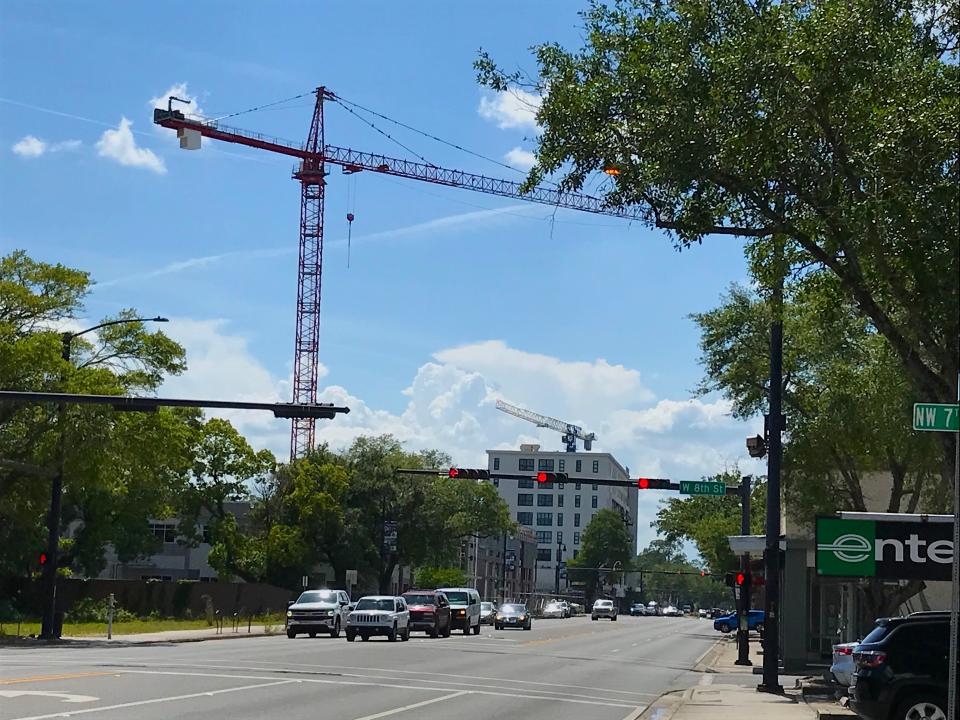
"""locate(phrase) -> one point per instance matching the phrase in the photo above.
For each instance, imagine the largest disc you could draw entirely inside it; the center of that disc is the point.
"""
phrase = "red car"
(429, 611)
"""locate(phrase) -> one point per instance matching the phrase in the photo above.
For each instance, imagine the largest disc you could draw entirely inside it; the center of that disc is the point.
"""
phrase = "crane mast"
(314, 155)
(571, 433)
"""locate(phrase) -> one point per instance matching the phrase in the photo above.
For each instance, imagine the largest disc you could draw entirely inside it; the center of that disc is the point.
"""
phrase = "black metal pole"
(775, 422)
(556, 590)
(49, 577)
(743, 602)
(503, 571)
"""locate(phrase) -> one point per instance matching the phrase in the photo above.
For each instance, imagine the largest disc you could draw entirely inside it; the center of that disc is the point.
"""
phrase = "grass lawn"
(135, 626)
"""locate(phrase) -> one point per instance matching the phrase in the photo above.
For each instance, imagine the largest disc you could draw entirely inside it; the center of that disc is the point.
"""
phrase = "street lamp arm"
(108, 323)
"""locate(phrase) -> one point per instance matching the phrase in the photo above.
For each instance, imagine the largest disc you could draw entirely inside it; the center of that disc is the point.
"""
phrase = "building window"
(576, 519)
(545, 486)
(579, 465)
(496, 463)
(525, 483)
(164, 532)
(496, 482)
(561, 465)
(576, 501)
(544, 500)
(546, 465)
(593, 501)
(559, 536)
(525, 518)
(545, 519)
(544, 554)
(595, 487)
(526, 499)
(545, 537)
(559, 519)
(575, 552)
(559, 500)
(526, 464)
(576, 538)
(577, 486)
(596, 466)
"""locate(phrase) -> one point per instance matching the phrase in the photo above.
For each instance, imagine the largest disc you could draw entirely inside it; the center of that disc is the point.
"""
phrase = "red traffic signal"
(549, 477)
(470, 473)
(43, 558)
(743, 579)
(653, 484)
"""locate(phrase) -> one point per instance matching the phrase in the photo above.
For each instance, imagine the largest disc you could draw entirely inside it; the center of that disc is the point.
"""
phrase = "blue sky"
(452, 298)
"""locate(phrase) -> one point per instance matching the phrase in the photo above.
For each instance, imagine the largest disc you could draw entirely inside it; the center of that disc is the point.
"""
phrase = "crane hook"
(349, 233)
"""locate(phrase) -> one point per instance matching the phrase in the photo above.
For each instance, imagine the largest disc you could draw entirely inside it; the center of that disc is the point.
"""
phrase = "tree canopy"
(831, 124)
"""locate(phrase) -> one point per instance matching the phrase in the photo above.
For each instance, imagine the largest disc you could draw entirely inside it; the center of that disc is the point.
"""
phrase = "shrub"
(90, 610)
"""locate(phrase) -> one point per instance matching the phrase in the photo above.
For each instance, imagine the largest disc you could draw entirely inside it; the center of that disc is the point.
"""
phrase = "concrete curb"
(705, 662)
(119, 641)
(663, 708)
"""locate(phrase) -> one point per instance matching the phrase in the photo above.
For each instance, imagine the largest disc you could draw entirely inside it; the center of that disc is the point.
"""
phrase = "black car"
(638, 609)
(901, 669)
(512, 615)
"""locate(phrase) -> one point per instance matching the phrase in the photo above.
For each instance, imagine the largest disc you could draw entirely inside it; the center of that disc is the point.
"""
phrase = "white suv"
(604, 608)
(379, 615)
(318, 611)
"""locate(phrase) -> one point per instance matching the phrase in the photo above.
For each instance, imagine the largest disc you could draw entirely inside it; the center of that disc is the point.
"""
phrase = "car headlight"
(522, 618)
(461, 612)
(289, 613)
(499, 616)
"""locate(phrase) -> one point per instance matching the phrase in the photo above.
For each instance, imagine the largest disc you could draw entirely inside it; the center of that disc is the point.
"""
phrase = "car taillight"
(869, 658)
(844, 651)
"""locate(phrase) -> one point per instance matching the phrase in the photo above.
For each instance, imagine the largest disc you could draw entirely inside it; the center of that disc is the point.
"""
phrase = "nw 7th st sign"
(936, 417)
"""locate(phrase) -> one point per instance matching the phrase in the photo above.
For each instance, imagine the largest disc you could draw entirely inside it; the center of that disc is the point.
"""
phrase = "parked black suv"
(901, 669)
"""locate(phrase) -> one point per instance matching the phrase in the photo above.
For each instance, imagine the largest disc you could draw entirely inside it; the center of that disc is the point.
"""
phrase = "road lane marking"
(319, 681)
(153, 701)
(394, 711)
(64, 697)
(44, 678)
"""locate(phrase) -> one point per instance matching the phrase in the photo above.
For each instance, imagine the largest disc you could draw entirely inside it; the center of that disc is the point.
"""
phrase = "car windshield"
(553, 606)
(603, 603)
(486, 606)
(877, 634)
(374, 604)
(511, 609)
(457, 598)
(420, 599)
(316, 596)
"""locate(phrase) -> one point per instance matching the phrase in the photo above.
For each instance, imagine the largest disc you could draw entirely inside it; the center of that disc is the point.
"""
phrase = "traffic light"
(653, 484)
(470, 473)
(43, 559)
(549, 477)
(742, 579)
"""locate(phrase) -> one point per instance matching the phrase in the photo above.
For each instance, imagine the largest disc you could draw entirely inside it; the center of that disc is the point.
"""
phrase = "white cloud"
(30, 146)
(178, 90)
(520, 158)
(450, 406)
(118, 144)
(511, 109)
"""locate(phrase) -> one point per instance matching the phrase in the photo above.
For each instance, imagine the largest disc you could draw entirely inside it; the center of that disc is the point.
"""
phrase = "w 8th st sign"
(884, 549)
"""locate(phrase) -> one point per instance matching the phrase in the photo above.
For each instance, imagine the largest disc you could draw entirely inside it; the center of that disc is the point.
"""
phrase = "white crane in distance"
(571, 433)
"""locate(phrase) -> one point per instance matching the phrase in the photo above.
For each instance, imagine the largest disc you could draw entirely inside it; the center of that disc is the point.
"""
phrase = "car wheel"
(593, 617)
(497, 626)
(921, 708)
(433, 632)
(335, 633)
(466, 629)
(449, 628)
(529, 626)
(364, 636)
(351, 636)
(406, 633)
(476, 629)
(291, 634)
(724, 628)
(392, 634)
(312, 633)
(613, 618)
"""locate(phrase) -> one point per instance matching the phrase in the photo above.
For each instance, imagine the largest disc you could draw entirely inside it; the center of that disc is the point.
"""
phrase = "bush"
(433, 577)
(90, 610)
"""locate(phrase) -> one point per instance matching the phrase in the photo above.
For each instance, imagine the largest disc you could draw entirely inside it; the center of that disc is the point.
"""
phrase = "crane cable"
(261, 107)
(344, 102)
(384, 133)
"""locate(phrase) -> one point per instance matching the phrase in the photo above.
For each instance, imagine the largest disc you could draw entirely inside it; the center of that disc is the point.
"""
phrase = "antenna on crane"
(571, 433)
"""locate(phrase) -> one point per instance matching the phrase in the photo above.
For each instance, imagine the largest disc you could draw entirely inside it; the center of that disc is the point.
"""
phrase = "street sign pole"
(954, 677)
(743, 601)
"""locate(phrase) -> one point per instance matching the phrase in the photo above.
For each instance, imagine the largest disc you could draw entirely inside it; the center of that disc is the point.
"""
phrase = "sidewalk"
(720, 701)
(167, 636)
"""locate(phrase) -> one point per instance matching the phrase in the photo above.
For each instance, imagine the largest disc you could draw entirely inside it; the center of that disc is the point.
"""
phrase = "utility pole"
(775, 426)
(503, 571)
(560, 548)
(743, 601)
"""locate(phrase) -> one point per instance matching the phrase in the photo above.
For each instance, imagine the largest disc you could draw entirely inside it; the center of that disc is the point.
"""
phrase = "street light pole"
(560, 549)
(49, 578)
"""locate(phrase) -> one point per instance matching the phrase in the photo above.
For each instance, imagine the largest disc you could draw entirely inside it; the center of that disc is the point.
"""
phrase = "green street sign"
(936, 417)
(689, 487)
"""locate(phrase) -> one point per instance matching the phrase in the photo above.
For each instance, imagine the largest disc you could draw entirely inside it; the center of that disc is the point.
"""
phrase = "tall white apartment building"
(558, 513)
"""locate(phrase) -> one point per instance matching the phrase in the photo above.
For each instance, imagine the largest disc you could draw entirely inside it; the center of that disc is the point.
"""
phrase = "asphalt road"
(562, 669)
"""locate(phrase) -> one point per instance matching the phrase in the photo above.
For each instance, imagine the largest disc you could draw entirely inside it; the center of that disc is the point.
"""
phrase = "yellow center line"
(44, 678)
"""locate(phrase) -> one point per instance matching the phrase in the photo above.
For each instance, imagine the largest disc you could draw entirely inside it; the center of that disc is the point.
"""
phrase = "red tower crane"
(311, 173)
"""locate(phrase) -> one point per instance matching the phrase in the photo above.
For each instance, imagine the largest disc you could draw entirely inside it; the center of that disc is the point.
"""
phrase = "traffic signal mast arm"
(355, 161)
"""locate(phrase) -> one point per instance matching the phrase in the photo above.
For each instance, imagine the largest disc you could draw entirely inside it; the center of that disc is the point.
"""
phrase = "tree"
(605, 542)
(668, 576)
(437, 577)
(707, 522)
(119, 468)
(830, 124)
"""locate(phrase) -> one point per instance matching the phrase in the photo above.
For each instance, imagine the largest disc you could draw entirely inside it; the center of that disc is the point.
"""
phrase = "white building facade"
(558, 513)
